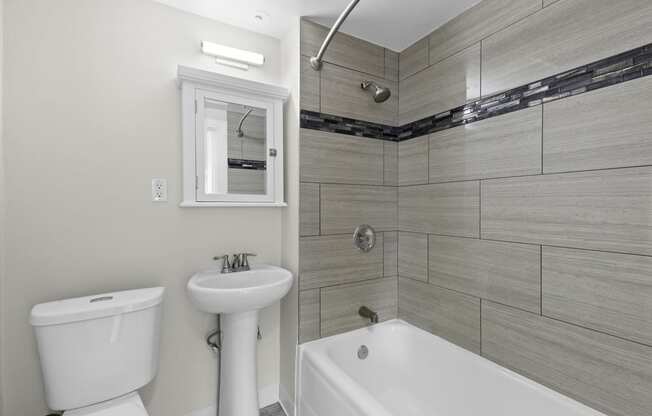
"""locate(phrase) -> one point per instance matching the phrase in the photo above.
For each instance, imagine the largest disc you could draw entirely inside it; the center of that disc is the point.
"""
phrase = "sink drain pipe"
(214, 341)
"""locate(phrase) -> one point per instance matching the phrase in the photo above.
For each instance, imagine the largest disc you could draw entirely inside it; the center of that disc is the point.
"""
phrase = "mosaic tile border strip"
(616, 69)
(336, 124)
(247, 164)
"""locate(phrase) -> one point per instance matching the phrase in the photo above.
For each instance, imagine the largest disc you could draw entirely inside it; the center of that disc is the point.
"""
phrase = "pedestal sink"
(238, 297)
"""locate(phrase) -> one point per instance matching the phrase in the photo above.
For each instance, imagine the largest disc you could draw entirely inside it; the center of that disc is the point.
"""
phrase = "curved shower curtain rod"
(316, 61)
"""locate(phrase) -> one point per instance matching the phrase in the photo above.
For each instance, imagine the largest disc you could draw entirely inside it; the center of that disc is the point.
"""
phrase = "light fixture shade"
(233, 54)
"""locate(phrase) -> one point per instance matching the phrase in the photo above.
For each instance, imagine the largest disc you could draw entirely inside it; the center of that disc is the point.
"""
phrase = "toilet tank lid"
(97, 306)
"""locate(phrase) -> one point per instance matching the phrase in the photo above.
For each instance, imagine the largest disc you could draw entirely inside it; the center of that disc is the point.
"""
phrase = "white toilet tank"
(97, 348)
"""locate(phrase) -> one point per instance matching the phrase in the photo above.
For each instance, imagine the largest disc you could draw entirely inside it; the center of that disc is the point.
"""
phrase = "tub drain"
(363, 352)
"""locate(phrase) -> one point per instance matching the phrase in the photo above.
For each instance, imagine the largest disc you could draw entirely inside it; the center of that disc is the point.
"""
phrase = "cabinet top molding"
(226, 82)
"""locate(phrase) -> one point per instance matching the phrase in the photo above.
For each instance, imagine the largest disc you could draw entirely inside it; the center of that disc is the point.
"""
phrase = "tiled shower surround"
(525, 236)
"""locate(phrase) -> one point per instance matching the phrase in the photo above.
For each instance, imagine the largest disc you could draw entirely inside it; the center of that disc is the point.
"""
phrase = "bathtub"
(410, 372)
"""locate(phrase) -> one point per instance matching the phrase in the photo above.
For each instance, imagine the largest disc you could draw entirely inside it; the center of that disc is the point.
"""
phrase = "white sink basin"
(237, 297)
(214, 292)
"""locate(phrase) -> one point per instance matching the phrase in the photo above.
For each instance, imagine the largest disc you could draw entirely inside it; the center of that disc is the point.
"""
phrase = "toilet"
(97, 351)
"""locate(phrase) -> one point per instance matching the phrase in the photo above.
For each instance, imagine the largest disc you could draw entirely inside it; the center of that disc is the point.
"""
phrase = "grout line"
(541, 280)
(318, 207)
(481, 50)
(428, 160)
(542, 128)
(565, 247)
(383, 164)
(352, 184)
(480, 326)
(480, 209)
(383, 251)
(534, 175)
(428, 258)
(351, 283)
(595, 330)
(468, 180)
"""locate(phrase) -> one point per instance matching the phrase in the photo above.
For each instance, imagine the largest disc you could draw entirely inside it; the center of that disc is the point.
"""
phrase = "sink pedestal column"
(239, 393)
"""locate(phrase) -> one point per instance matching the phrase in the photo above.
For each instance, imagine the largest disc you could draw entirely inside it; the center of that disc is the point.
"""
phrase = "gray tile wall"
(537, 224)
(526, 238)
(346, 181)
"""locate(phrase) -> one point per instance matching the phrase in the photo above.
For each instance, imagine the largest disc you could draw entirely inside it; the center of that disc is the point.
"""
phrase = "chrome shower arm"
(244, 117)
(316, 61)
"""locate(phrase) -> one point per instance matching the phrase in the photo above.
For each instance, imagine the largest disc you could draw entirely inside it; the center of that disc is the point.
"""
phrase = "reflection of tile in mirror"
(246, 181)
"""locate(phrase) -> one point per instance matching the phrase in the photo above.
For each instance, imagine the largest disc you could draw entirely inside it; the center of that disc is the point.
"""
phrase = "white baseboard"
(266, 396)
(209, 411)
(286, 403)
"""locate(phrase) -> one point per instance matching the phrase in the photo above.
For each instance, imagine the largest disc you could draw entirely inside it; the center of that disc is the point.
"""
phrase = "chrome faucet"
(239, 262)
(368, 314)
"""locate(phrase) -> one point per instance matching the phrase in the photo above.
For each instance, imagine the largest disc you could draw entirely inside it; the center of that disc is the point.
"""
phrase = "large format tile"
(602, 210)
(332, 260)
(344, 50)
(390, 163)
(310, 85)
(309, 209)
(309, 315)
(443, 86)
(413, 255)
(607, 128)
(338, 158)
(414, 59)
(508, 145)
(340, 304)
(390, 250)
(447, 314)
(413, 161)
(391, 65)
(475, 24)
(563, 36)
(448, 208)
(508, 273)
(344, 207)
(608, 292)
(341, 95)
(607, 373)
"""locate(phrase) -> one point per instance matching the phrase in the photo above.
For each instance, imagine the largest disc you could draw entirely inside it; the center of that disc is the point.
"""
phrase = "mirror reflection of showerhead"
(380, 94)
(239, 131)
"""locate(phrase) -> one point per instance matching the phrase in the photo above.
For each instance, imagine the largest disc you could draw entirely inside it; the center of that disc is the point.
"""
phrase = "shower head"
(381, 94)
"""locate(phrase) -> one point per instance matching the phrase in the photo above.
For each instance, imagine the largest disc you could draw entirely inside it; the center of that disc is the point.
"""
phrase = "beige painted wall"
(2, 206)
(290, 254)
(94, 116)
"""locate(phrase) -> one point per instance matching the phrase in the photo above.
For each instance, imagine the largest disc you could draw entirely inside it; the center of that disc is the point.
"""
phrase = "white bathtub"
(410, 372)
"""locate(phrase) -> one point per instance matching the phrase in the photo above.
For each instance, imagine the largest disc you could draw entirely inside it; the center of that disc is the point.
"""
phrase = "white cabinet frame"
(197, 83)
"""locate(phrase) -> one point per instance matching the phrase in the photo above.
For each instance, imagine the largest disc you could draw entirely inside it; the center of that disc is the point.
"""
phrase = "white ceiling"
(394, 24)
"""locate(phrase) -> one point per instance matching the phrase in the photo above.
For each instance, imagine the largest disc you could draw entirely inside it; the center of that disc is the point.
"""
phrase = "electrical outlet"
(159, 190)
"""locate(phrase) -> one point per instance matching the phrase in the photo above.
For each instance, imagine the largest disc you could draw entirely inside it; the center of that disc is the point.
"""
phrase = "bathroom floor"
(272, 410)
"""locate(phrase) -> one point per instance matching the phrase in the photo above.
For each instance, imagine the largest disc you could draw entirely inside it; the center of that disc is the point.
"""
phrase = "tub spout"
(368, 314)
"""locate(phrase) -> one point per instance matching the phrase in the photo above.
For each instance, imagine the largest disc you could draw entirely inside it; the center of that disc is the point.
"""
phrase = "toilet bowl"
(97, 351)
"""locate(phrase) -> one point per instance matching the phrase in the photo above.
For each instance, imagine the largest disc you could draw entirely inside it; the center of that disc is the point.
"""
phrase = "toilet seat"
(129, 405)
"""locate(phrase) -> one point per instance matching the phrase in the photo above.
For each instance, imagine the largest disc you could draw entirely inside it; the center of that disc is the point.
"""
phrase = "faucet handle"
(226, 265)
(245, 260)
